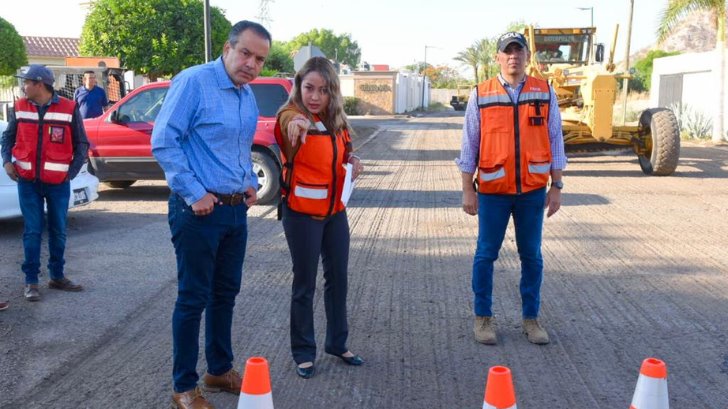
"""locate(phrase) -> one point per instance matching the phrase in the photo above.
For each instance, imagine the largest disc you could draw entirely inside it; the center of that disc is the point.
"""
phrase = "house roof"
(51, 46)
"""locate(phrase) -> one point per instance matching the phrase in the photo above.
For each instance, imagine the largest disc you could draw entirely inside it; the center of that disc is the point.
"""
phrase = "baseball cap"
(37, 72)
(511, 37)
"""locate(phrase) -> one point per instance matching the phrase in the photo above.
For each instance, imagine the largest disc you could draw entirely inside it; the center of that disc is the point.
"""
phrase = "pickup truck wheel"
(119, 184)
(268, 174)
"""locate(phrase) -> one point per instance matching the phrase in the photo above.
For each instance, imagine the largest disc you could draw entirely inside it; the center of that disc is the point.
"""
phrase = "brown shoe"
(230, 381)
(64, 284)
(31, 292)
(485, 330)
(535, 332)
(4, 305)
(192, 399)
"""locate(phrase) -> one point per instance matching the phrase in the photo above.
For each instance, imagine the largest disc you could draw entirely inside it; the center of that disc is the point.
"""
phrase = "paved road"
(636, 266)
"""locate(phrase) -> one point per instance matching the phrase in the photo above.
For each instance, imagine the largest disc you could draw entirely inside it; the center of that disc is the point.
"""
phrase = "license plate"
(79, 196)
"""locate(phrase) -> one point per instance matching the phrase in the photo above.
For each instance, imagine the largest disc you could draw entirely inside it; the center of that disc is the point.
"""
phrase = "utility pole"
(208, 40)
(424, 77)
(625, 82)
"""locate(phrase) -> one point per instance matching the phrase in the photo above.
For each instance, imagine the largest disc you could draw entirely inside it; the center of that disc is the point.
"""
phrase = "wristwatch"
(558, 184)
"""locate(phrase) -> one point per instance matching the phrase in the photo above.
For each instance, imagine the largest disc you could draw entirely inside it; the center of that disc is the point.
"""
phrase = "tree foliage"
(279, 59)
(152, 37)
(13, 55)
(336, 47)
(443, 76)
(480, 56)
(643, 70)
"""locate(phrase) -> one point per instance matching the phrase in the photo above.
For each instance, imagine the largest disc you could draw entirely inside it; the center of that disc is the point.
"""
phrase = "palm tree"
(471, 56)
(487, 49)
(677, 10)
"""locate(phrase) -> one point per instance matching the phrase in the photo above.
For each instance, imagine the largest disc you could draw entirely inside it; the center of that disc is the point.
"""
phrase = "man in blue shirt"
(202, 139)
(91, 99)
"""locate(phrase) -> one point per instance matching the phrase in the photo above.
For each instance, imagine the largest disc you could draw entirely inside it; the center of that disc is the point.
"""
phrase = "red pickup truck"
(120, 151)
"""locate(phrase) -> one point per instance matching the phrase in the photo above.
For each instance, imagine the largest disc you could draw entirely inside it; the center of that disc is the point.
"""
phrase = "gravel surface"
(635, 266)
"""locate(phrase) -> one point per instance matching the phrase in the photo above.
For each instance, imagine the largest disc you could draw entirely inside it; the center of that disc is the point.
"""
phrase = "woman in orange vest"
(312, 131)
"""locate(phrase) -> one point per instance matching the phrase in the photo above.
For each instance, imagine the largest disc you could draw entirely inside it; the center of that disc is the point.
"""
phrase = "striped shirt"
(470, 147)
(203, 133)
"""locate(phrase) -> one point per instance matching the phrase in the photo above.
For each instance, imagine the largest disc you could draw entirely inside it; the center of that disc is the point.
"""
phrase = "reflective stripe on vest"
(545, 168)
(311, 193)
(320, 126)
(56, 167)
(488, 176)
(24, 165)
(33, 116)
(57, 116)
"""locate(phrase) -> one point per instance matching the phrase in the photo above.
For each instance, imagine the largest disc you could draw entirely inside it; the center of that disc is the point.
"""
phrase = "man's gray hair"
(243, 25)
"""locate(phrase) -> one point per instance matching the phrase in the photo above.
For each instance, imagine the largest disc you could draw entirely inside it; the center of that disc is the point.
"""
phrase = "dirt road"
(635, 266)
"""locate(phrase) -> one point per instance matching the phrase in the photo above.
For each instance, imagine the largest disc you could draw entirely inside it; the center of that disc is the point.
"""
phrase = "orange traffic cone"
(255, 391)
(651, 390)
(499, 392)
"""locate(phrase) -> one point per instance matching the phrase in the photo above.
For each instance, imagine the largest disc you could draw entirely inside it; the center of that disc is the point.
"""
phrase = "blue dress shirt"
(204, 132)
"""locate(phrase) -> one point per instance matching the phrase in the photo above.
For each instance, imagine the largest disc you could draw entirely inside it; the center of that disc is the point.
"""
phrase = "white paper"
(348, 184)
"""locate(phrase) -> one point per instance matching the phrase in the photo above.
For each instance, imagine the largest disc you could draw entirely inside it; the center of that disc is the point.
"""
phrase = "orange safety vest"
(515, 153)
(43, 147)
(313, 180)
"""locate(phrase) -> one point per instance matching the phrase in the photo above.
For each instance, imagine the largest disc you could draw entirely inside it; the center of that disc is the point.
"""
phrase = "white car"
(84, 190)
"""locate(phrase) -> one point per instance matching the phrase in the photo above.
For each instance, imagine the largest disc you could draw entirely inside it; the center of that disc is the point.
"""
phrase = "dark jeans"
(308, 239)
(33, 196)
(210, 251)
(494, 211)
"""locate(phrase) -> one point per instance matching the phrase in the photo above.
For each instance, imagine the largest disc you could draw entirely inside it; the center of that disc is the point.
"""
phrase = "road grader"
(586, 89)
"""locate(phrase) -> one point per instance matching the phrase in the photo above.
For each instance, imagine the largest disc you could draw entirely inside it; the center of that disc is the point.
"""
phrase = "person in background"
(512, 137)
(312, 131)
(202, 139)
(91, 99)
(46, 137)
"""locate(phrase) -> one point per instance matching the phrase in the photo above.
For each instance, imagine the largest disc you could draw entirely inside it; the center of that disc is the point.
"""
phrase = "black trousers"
(308, 240)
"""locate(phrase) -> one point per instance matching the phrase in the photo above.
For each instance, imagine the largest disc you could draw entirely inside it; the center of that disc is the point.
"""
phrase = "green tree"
(336, 47)
(152, 37)
(673, 14)
(279, 59)
(643, 70)
(13, 55)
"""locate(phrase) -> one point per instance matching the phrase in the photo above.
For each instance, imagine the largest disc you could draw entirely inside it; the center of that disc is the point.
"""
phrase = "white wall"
(347, 85)
(408, 95)
(700, 90)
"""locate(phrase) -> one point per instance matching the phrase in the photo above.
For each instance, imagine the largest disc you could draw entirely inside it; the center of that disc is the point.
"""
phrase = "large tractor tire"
(664, 150)
(268, 174)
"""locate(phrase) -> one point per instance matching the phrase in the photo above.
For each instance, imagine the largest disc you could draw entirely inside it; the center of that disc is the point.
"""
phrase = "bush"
(351, 105)
(693, 124)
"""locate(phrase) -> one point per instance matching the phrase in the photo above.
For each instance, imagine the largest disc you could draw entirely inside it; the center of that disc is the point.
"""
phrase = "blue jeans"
(210, 251)
(33, 196)
(308, 240)
(494, 211)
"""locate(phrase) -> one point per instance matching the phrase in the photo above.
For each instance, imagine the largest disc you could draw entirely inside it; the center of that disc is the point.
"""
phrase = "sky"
(394, 32)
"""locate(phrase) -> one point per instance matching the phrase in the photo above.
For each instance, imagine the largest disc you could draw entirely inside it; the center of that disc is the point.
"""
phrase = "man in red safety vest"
(43, 148)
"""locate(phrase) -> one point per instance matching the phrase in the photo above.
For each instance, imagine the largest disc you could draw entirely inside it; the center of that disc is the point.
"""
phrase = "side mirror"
(600, 53)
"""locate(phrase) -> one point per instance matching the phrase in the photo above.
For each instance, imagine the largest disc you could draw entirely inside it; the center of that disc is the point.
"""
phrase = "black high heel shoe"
(354, 360)
(305, 373)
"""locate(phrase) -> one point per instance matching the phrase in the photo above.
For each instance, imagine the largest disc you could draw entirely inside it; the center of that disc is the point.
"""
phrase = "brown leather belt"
(229, 200)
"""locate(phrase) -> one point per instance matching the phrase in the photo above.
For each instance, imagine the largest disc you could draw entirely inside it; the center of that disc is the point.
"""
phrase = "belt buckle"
(236, 199)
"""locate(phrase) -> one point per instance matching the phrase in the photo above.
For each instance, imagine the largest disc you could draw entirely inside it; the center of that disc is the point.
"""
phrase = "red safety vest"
(515, 153)
(43, 147)
(314, 178)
